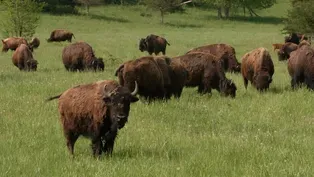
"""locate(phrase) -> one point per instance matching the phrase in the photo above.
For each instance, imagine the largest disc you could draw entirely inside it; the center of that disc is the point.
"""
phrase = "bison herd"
(98, 110)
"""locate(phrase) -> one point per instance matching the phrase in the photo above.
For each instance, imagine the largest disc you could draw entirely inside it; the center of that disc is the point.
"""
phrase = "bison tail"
(117, 70)
(167, 42)
(73, 35)
(52, 98)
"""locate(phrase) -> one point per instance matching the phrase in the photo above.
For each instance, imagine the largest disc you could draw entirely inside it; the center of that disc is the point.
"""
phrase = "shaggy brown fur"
(146, 72)
(206, 73)
(257, 67)
(34, 43)
(153, 44)
(12, 43)
(95, 110)
(224, 52)
(286, 49)
(23, 59)
(301, 67)
(60, 35)
(80, 56)
(277, 46)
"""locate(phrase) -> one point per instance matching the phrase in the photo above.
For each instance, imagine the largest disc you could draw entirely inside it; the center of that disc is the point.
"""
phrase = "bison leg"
(71, 139)
(245, 82)
(177, 94)
(96, 146)
(110, 137)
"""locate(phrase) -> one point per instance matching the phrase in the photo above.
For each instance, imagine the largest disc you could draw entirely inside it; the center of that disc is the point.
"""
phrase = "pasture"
(268, 134)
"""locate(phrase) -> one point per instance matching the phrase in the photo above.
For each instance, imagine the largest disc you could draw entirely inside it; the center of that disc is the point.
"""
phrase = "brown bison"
(257, 67)
(295, 38)
(23, 59)
(285, 50)
(301, 67)
(224, 52)
(147, 73)
(60, 35)
(80, 56)
(206, 72)
(12, 43)
(97, 111)
(34, 43)
(153, 44)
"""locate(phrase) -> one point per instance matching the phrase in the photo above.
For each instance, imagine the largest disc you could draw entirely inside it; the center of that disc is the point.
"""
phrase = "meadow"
(255, 134)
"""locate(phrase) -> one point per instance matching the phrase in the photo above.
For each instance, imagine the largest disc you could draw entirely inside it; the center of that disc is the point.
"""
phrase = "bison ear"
(2, 41)
(133, 99)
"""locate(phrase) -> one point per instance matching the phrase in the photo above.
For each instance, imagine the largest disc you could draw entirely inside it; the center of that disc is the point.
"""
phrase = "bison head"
(5, 47)
(262, 80)
(118, 101)
(32, 65)
(98, 64)
(143, 45)
(227, 88)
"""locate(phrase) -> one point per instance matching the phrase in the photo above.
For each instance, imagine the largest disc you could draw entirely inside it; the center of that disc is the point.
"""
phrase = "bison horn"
(135, 89)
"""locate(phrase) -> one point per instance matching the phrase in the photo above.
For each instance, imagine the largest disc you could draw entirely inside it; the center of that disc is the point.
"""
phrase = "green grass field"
(268, 134)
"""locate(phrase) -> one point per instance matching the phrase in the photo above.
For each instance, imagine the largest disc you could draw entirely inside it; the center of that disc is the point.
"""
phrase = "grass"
(269, 134)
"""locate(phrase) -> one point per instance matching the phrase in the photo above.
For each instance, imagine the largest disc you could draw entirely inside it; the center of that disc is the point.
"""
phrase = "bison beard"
(96, 111)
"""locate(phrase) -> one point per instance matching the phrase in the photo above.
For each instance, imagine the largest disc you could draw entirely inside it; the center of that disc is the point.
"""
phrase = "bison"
(153, 44)
(12, 43)
(23, 59)
(97, 110)
(285, 50)
(224, 52)
(258, 68)
(59, 35)
(207, 73)
(301, 67)
(34, 43)
(147, 73)
(295, 38)
(277, 46)
(80, 56)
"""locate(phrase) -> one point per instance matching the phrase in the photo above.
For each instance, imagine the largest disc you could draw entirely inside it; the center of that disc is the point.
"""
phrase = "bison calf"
(23, 59)
(96, 111)
(257, 67)
(59, 35)
(153, 44)
(207, 73)
(224, 52)
(80, 56)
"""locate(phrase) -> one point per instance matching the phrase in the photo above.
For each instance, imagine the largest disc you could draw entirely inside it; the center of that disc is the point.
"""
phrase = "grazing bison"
(23, 59)
(96, 111)
(153, 44)
(206, 72)
(146, 72)
(257, 67)
(295, 38)
(224, 52)
(34, 43)
(80, 56)
(301, 67)
(60, 35)
(12, 43)
(285, 50)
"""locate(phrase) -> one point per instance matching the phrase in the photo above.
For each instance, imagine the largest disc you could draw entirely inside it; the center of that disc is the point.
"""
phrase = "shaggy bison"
(97, 111)
(12, 43)
(301, 67)
(34, 43)
(206, 72)
(285, 50)
(147, 73)
(257, 67)
(23, 59)
(224, 52)
(153, 44)
(80, 56)
(295, 38)
(60, 35)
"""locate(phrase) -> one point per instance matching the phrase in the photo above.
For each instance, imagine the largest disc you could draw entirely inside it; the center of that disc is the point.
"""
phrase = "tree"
(21, 17)
(300, 18)
(164, 6)
(88, 3)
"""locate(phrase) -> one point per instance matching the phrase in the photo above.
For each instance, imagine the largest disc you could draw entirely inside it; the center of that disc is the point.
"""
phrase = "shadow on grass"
(171, 154)
(277, 90)
(105, 18)
(257, 20)
(183, 25)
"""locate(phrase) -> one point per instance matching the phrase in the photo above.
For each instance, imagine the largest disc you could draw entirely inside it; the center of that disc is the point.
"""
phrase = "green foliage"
(300, 17)
(21, 17)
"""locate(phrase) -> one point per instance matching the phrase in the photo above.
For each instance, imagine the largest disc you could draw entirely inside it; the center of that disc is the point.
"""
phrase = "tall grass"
(269, 134)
